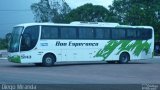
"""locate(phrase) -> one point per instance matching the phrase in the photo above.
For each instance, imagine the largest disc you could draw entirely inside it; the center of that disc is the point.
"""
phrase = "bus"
(47, 43)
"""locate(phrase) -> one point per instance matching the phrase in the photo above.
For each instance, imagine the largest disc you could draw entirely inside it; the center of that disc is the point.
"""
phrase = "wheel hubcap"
(48, 60)
(124, 58)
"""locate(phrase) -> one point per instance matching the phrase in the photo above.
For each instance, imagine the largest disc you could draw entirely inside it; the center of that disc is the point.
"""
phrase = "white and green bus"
(47, 43)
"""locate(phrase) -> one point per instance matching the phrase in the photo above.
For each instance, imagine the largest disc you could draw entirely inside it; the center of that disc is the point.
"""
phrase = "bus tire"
(124, 58)
(48, 60)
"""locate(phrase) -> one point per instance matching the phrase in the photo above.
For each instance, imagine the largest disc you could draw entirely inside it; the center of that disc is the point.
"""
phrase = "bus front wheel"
(48, 60)
(124, 58)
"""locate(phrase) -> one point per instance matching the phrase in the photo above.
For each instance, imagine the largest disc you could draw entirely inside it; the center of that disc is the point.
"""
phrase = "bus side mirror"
(8, 37)
(26, 40)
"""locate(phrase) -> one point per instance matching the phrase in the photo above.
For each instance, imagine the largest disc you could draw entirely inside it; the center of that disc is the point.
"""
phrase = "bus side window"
(86, 33)
(146, 34)
(68, 32)
(118, 34)
(33, 33)
(49, 32)
(131, 34)
(107, 34)
(99, 33)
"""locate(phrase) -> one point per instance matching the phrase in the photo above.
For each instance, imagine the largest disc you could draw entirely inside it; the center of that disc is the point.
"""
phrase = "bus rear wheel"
(48, 60)
(124, 58)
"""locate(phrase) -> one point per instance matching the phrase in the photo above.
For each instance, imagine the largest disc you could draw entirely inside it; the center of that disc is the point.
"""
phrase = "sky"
(75, 3)
(13, 12)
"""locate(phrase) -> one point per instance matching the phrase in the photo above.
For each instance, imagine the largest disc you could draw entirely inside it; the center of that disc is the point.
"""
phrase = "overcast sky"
(75, 3)
(14, 12)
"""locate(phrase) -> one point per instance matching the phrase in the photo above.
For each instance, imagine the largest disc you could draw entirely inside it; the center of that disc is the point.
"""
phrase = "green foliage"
(90, 13)
(129, 12)
(138, 12)
(3, 44)
(44, 11)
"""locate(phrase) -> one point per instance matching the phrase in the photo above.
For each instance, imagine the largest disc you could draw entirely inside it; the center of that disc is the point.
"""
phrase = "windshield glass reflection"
(15, 39)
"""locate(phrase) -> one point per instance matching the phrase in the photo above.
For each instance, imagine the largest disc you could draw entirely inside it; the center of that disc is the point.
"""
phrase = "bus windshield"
(15, 39)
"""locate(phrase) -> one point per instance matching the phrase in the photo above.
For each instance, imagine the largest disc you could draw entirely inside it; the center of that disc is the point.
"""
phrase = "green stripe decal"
(125, 45)
(15, 59)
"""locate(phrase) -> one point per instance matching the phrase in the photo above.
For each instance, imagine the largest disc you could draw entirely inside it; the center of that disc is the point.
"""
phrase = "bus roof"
(85, 24)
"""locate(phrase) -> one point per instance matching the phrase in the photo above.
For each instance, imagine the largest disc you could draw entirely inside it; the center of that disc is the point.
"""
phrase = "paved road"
(138, 72)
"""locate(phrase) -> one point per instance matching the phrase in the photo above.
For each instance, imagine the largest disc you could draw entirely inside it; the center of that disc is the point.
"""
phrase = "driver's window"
(29, 38)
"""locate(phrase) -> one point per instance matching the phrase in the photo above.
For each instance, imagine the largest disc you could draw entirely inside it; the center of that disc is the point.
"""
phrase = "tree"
(90, 13)
(50, 10)
(3, 44)
(138, 12)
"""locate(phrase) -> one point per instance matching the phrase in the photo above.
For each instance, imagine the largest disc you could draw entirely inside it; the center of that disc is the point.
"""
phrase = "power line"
(23, 10)
(6, 24)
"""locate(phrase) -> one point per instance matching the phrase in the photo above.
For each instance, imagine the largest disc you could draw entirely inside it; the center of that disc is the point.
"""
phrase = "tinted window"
(118, 34)
(30, 38)
(102, 33)
(99, 33)
(86, 33)
(107, 34)
(146, 33)
(49, 32)
(131, 34)
(138, 35)
(68, 33)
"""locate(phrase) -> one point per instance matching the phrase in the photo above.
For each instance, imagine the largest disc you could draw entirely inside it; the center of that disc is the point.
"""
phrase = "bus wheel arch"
(49, 59)
(124, 58)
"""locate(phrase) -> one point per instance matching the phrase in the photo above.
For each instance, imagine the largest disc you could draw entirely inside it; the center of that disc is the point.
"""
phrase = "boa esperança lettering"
(75, 44)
